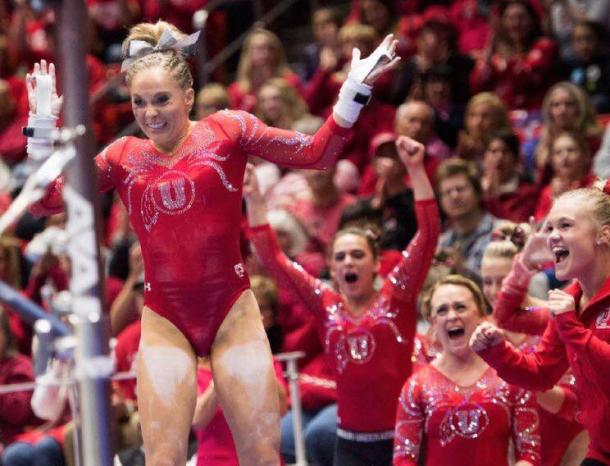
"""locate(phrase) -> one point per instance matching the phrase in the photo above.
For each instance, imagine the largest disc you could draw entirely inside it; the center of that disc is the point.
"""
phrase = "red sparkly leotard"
(557, 431)
(579, 340)
(371, 355)
(464, 426)
(186, 210)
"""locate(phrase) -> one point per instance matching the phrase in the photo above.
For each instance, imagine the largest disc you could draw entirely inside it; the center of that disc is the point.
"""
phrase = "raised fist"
(485, 336)
(410, 152)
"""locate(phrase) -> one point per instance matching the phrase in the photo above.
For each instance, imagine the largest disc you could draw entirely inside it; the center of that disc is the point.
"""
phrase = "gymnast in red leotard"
(186, 206)
(368, 333)
(182, 187)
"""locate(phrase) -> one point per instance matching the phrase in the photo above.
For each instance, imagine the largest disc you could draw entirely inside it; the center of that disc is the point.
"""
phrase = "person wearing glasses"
(468, 226)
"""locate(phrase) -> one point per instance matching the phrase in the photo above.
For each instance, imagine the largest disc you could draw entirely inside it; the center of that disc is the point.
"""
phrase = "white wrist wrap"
(352, 97)
(40, 146)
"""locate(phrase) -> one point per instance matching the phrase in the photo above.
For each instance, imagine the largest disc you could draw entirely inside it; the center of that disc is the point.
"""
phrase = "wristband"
(41, 122)
(352, 97)
(39, 132)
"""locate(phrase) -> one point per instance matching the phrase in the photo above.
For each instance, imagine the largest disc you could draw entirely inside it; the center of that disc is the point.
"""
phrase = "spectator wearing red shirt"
(125, 354)
(577, 232)
(125, 314)
(177, 12)
(262, 58)
(471, 18)
(506, 194)
(518, 63)
(129, 302)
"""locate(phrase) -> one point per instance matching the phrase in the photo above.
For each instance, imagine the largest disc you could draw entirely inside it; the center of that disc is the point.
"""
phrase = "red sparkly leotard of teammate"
(464, 426)
(557, 430)
(186, 210)
(371, 355)
(577, 339)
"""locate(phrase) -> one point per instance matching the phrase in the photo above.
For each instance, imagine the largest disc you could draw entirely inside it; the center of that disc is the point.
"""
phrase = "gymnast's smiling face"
(161, 107)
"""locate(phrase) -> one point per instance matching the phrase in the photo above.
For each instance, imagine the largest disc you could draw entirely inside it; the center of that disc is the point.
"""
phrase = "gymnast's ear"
(603, 236)
(189, 97)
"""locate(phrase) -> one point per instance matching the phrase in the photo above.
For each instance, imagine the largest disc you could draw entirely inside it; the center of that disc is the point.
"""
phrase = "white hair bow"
(139, 48)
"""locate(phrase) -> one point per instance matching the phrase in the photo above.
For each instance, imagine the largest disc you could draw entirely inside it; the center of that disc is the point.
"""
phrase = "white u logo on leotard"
(173, 194)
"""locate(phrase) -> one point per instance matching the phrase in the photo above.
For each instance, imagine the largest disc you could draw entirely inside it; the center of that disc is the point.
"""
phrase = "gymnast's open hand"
(32, 80)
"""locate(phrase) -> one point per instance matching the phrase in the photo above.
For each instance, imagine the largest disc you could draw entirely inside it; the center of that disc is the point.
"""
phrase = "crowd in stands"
(511, 100)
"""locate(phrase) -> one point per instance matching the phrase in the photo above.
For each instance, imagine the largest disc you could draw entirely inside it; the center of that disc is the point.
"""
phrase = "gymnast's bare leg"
(245, 382)
(167, 390)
